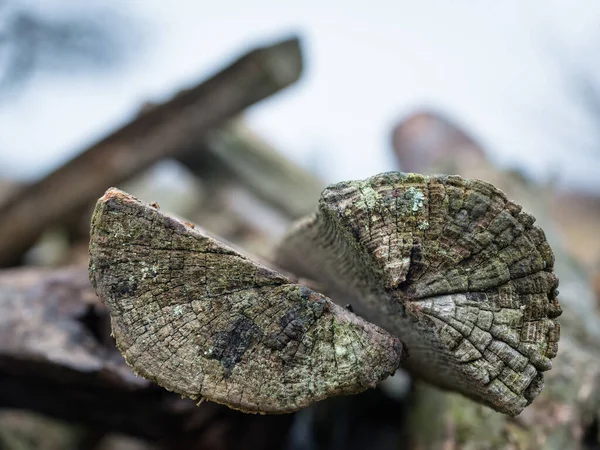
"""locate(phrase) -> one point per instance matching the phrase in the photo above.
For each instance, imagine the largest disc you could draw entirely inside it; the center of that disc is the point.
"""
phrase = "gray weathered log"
(150, 137)
(198, 318)
(450, 266)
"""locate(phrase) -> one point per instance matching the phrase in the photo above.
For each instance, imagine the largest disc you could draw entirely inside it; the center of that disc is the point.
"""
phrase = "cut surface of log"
(200, 319)
(451, 267)
(234, 152)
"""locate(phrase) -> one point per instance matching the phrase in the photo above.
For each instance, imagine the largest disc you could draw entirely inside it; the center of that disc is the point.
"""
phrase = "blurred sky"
(508, 71)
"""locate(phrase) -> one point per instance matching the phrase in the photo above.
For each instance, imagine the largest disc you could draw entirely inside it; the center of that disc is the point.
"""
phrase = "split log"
(451, 267)
(152, 136)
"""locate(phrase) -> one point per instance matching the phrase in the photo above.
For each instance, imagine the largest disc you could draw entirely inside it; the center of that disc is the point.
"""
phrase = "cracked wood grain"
(198, 318)
(451, 267)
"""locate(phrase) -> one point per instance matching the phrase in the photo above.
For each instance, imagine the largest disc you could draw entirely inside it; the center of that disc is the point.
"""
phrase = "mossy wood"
(198, 318)
(447, 265)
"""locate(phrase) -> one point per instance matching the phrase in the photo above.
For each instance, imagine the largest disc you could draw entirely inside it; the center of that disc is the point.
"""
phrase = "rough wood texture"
(137, 145)
(57, 358)
(200, 319)
(450, 266)
(564, 416)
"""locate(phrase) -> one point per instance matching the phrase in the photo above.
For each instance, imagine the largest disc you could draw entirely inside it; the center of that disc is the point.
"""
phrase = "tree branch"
(236, 153)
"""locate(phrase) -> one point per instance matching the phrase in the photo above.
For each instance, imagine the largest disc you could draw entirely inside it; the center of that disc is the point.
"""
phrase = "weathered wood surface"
(57, 358)
(156, 134)
(198, 318)
(449, 265)
(565, 414)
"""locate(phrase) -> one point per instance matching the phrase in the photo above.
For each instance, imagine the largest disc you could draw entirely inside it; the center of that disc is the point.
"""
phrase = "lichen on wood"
(200, 319)
(450, 266)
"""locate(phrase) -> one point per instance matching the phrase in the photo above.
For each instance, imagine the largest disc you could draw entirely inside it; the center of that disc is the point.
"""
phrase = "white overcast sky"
(500, 68)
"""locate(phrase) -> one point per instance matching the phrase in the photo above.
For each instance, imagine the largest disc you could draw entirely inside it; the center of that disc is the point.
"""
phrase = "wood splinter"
(449, 266)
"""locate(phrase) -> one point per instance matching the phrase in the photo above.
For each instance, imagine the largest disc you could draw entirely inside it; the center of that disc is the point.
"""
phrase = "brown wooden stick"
(150, 137)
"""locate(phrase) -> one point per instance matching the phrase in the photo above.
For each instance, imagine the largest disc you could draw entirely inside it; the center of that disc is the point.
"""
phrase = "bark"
(57, 358)
(152, 136)
(199, 319)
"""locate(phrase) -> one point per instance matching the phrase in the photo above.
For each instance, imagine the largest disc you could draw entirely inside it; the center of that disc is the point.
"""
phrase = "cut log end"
(198, 318)
(450, 266)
